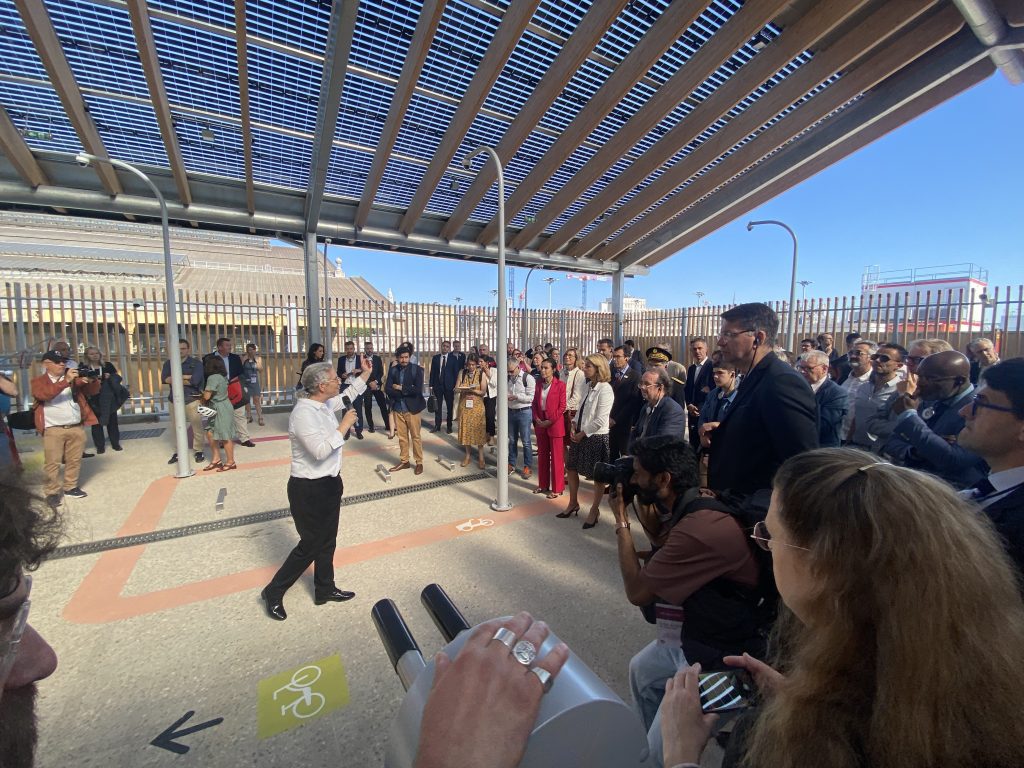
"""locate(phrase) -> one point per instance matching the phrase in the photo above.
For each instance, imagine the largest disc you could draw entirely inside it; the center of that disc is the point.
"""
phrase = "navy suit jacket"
(447, 379)
(1007, 514)
(376, 370)
(915, 444)
(342, 362)
(831, 400)
(412, 389)
(772, 418)
(668, 418)
(695, 383)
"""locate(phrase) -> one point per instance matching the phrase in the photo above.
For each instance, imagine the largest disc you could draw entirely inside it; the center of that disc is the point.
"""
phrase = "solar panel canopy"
(626, 129)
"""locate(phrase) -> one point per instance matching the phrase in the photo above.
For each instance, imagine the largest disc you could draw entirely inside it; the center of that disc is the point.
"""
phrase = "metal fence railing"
(127, 326)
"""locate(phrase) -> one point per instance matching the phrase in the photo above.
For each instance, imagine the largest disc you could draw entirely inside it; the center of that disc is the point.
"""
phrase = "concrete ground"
(148, 633)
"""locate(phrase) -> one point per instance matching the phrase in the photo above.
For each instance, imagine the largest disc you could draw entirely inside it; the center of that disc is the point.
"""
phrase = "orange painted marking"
(99, 598)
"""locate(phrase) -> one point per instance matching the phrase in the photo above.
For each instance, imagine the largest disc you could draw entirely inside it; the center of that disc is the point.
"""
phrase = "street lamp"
(803, 289)
(458, 315)
(549, 281)
(170, 317)
(525, 328)
(500, 504)
(790, 326)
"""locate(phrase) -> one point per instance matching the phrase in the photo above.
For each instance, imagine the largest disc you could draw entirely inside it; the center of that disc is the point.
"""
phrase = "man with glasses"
(660, 414)
(927, 423)
(829, 397)
(873, 394)
(994, 430)
(30, 533)
(773, 415)
(984, 355)
(859, 374)
(843, 364)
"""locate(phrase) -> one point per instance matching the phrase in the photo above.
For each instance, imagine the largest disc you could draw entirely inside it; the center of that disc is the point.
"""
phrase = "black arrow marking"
(166, 740)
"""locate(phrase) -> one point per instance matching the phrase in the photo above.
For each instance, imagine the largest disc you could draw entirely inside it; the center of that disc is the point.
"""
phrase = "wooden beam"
(503, 43)
(243, 99)
(737, 31)
(44, 38)
(955, 85)
(419, 47)
(575, 51)
(150, 60)
(659, 38)
(803, 34)
(876, 31)
(929, 74)
(19, 153)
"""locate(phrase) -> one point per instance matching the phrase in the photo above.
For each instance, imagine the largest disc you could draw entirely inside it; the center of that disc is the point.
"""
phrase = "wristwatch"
(622, 524)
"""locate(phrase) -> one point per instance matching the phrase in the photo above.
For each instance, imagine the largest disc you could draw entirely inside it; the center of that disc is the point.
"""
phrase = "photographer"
(701, 562)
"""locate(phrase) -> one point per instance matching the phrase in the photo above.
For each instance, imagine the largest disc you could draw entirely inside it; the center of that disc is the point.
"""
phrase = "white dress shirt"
(313, 432)
(63, 409)
(1003, 482)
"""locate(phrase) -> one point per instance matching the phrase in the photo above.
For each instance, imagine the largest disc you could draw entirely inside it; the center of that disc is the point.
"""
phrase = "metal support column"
(618, 292)
(311, 263)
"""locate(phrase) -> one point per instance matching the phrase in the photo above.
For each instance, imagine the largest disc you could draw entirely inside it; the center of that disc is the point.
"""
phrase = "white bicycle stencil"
(301, 683)
(474, 522)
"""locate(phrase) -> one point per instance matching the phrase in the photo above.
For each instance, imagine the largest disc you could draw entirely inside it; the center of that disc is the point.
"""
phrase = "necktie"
(444, 361)
(983, 488)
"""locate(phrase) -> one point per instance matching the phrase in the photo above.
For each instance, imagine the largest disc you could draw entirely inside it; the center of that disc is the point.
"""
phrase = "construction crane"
(584, 279)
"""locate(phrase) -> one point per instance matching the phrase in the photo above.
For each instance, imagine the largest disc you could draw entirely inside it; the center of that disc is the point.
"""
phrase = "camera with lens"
(90, 373)
(615, 472)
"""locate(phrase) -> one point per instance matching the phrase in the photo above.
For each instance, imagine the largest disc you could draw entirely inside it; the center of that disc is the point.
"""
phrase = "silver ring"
(506, 637)
(546, 680)
(525, 652)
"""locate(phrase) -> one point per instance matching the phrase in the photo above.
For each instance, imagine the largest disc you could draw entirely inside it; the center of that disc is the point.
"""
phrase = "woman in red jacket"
(549, 424)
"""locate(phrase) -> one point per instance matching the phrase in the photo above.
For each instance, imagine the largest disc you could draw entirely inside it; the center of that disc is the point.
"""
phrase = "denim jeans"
(519, 422)
(649, 671)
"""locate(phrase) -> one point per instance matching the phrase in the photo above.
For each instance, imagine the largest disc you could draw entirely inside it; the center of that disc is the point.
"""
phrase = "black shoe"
(88, 455)
(371, 429)
(199, 456)
(117, 447)
(359, 435)
(435, 429)
(173, 459)
(335, 596)
(275, 609)
(101, 450)
(76, 493)
(53, 501)
(248, 444)
(449, 430)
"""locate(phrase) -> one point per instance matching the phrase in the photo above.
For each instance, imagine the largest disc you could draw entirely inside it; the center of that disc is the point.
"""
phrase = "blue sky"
(944, 189)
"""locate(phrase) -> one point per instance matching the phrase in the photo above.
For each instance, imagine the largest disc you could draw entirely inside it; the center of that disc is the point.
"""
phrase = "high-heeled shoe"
(573, 510)
(481, 463)
(588, 526)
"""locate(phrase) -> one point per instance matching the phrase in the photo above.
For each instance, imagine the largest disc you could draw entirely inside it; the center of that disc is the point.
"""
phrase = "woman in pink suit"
(549, 424)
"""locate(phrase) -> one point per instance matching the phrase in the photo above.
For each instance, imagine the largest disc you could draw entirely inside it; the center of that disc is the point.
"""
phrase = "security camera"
(83, 159)
(983, 297)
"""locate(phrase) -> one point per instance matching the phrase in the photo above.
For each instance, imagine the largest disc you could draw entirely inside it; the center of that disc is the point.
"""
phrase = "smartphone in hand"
(725, 691)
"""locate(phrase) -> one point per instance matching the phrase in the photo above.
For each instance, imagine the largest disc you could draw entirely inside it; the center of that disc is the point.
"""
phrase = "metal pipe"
(447, 617)
(790, 315)
(526, 310)
(990, 29)
(500, 504)
(170, 317)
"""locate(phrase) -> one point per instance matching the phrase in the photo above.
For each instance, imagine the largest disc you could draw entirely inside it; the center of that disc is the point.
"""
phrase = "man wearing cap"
(61, 411)
(660, 357)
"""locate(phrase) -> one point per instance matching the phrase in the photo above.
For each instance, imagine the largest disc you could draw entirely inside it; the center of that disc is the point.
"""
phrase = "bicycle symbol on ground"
(474, 522)
(309, 702)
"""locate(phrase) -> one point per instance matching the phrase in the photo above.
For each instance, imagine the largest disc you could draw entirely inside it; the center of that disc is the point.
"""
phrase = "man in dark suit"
(444, 374)
(994, 430)
(830, 398)
(841, 365)
(636, 360)
(627, 403)
(233, 365)
(698, 384)
(375, 388)
(773, 415)
(459, 354)
(349, 368)
(405, 388)
(928, 421)
(660, 415)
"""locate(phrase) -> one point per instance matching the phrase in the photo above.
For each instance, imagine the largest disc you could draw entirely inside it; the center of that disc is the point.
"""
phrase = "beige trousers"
(409, 426)
(62, 445)
(196, 422)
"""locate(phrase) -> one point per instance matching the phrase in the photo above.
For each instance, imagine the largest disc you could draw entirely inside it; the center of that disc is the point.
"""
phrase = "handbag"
(235, 393)
(431, 404)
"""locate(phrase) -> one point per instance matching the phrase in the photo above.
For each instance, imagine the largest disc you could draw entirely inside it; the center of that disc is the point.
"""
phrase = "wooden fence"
(127, 326)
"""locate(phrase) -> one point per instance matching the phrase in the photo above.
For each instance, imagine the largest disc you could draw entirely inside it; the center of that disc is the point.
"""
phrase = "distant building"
(923, 300)
(629, 304)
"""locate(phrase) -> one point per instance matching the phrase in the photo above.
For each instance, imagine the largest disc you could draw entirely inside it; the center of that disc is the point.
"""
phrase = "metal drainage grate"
(138, 434)
(91, 547)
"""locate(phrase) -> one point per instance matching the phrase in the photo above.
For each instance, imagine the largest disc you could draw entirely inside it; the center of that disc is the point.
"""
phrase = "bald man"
(928, 422)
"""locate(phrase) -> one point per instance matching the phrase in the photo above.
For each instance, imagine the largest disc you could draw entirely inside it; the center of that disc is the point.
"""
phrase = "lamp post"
(170, 317)
(458, 315)
(526, 302)
(549, 281)
(803, 289)
(790, 325)
(501, 503)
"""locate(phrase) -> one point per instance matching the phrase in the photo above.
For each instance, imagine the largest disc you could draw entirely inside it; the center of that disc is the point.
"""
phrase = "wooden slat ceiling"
(628, 129)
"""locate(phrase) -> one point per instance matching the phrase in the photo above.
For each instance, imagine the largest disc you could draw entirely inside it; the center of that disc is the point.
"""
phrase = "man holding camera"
(60, 413)
(702, 583)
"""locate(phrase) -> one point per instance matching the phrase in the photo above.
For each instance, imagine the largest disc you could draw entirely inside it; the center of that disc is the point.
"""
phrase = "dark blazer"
(446, 380)
(342, 362)
(376, 369)
(831, 400)
(772, 418)
(412, 390)
(842, 366)
(627, 404)
(695, 383)
(1007, 514)
(668, 418)
(554, 411)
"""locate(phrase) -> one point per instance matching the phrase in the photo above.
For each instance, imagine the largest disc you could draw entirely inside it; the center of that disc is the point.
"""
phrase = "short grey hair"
(314, 375)
(664, 380)
(815, 357)
(931, 346)
(872, 347)
(983, 340)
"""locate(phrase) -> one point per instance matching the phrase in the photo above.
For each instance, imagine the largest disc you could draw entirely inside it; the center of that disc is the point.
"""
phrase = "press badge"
(669, 619)
(469, 402)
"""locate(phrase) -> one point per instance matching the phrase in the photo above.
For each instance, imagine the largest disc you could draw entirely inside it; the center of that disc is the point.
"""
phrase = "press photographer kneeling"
(701, 584)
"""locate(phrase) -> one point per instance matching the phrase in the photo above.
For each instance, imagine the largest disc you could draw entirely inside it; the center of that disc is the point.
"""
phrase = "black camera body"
(90, 373)
(616, 472)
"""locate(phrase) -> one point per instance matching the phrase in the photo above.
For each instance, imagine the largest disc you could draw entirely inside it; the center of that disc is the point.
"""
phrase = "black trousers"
(112, 429)
(448, 396)
(490, 415)
(316, 509)
(382, 402)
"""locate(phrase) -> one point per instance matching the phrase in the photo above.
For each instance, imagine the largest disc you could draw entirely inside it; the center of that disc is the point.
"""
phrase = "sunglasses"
(882, 359)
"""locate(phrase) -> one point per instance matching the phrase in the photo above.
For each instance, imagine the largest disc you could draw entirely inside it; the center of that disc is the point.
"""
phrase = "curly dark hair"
(29, 529)
(669, 453)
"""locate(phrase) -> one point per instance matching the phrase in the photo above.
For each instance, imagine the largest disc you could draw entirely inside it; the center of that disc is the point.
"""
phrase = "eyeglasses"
(730, 335)
(882, 359)
(764, 539)
(9, 648)
(977, 403)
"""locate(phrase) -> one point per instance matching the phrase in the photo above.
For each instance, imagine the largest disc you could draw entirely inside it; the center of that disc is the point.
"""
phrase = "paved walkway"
(148, 633)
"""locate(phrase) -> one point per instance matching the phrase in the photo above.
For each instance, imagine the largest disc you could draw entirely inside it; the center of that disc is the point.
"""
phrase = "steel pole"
(790, 315)
(170, 318)
(501, 503)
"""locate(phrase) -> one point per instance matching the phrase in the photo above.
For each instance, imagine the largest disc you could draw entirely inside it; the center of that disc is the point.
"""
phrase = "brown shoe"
(526, 473)
(399, 465)
(418, 470)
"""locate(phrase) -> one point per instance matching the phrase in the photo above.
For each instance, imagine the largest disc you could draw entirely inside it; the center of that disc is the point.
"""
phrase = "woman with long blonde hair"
(899, 644)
